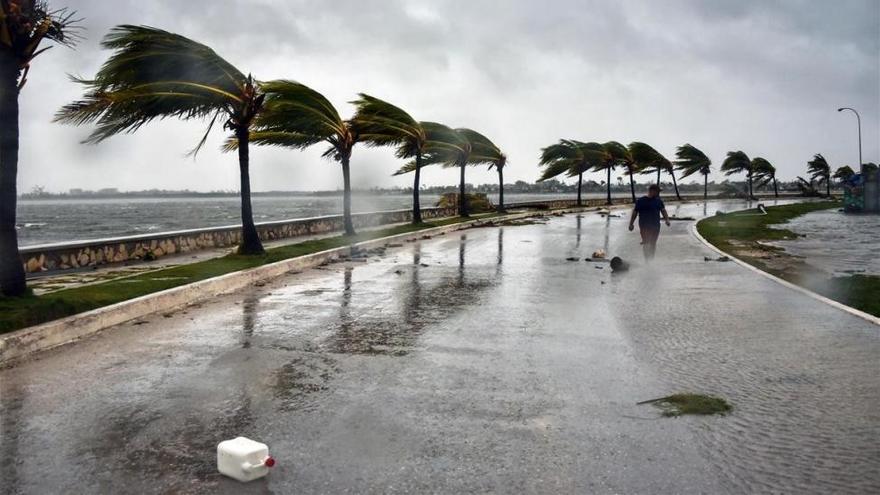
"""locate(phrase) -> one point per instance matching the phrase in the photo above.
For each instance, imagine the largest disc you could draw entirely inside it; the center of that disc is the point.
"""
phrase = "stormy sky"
(762, 76)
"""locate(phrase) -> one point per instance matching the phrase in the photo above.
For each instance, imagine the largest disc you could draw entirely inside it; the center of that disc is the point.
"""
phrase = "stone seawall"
(68, 255)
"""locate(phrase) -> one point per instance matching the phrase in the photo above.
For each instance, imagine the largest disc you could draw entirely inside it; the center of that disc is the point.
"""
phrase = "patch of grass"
(741, 233)
(28, 310)
(699, 404)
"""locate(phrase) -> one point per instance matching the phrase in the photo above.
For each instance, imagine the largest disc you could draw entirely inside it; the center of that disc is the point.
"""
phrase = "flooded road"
(476, 361)
(839, 243)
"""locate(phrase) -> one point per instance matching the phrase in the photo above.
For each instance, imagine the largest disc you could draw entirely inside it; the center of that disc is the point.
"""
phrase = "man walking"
(648, 210)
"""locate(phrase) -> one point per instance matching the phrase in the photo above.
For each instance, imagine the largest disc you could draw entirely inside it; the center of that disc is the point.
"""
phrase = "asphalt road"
(478, 361)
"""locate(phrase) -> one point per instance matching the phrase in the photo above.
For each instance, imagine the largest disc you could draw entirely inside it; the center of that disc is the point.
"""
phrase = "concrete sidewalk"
(477, 361)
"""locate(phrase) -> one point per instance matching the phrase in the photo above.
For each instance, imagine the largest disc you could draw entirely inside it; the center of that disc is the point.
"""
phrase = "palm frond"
(154, 74)
(379, 123)
(818, 167)
(736, 162)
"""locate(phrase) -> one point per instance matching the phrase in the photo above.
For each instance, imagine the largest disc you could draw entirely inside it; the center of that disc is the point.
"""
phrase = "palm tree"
(379, 123)
(820, 170)
(622, 156)
(296, 116)
(604, 157)
(738, 162)
(569, 157)
(844, 173)
(154, 74)
(483, 150)
(690, 160)
(24, 25)
(649, 158)
(765, 173)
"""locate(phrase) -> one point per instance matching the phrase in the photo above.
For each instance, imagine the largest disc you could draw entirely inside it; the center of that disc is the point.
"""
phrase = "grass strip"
(742, 233)
(29, 310)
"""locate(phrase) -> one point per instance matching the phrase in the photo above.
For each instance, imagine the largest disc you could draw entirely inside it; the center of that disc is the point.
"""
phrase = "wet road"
(476, 361)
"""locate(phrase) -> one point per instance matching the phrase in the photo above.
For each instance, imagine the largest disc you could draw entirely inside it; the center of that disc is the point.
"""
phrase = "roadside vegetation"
(746, 235)
(28, 310)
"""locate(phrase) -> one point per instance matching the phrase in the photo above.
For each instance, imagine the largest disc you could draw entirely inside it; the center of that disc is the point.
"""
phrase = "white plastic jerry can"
(243, 459)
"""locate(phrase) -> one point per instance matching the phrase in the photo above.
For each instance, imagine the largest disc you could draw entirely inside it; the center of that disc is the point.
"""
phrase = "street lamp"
(859, 122)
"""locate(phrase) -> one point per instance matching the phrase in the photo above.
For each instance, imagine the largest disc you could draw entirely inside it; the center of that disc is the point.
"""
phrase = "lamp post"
(859, 122)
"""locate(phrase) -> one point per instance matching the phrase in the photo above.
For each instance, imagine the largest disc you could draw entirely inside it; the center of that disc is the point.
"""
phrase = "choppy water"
(63, 220)
(837, 242)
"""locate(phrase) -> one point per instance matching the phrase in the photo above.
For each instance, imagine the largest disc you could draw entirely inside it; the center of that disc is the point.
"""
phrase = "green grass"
(21, 312)
(739, 234)
(699, 404)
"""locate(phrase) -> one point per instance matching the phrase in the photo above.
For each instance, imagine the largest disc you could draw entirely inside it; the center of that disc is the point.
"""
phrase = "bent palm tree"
(738, 162)
(379, 123)
(570, 157)
(690, 160)
(154, 74)
(649, 158)
(820, 170)
(296, 116)
(622, 156)
(844, 173)
(485, 151)
(24, 25)
(765, 173)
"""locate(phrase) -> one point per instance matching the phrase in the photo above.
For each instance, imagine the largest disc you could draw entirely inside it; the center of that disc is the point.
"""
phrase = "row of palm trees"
(575, 158)
(153, 74)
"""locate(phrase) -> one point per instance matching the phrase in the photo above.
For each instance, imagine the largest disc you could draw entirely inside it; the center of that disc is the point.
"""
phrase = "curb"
(19, 344)
(831, 302)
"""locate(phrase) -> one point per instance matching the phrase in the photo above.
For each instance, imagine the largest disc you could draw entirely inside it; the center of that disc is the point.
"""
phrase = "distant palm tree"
(844, 173)
(379, 123)
(820, 170)
(765, 173)
(296, 116)
(605, 157)
(649, 158)
(24, 25)
(569, 157)
(690, 160)
(154, 74)
(738, 162)
(455, 148)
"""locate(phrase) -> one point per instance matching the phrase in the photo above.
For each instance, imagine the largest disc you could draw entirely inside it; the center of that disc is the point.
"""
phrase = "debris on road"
(618, 265)
(243, 459)
(688, 403)
(721, 259)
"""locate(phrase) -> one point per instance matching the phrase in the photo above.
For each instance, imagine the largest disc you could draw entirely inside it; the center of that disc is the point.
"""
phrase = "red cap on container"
(269, 462)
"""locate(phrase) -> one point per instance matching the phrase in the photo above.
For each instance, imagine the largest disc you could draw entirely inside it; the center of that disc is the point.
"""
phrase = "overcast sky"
(754, 75)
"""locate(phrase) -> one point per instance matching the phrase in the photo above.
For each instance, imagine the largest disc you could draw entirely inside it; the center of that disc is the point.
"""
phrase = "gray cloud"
(764, 77)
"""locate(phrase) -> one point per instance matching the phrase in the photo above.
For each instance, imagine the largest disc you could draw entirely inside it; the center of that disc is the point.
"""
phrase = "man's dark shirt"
(649, 212)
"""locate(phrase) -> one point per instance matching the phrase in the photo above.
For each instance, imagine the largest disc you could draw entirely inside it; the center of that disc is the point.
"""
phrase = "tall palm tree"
(604, 157)
(24, 25)
(296, 116)
(765, 173)
(379, 123)
(569, 157)
(154, 74)
(844, 173)
(649, 158)
(690, 160)
(738, 162)
(820, 170)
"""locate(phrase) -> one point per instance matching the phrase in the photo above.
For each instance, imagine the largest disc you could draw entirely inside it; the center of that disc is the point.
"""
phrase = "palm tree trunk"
(608, 187)
(501, 190)
(775, 187)
(12, 278)
(751, 195)
(632, 185)
(658, 176)
(417, 207)
(580, 181)
(250, 240)
(346, 195)
(675, 185)
(462, 197)
(828, 185)
(705, 187)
